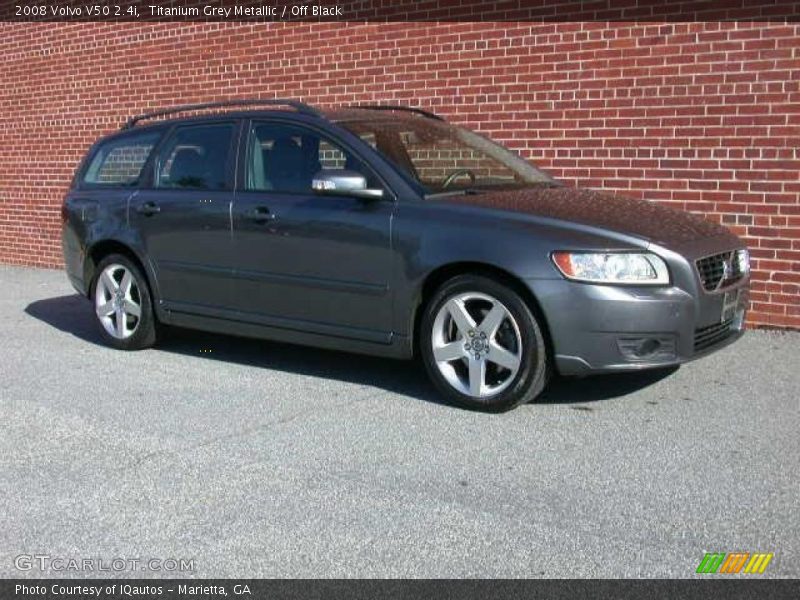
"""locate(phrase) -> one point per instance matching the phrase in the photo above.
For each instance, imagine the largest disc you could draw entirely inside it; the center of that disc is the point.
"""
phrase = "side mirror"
(341, 182)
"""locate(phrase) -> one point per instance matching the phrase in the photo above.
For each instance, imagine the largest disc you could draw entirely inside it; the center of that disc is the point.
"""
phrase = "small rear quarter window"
(119, 162)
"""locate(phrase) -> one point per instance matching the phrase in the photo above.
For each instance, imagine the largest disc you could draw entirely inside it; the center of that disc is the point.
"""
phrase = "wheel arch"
(99, 250)
(444, 273)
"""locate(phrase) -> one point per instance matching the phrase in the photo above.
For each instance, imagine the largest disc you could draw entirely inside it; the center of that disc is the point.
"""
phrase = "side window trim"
(326, 134)
(148, 174)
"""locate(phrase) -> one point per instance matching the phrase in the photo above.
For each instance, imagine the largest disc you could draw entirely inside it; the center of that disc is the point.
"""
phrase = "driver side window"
(286, 158)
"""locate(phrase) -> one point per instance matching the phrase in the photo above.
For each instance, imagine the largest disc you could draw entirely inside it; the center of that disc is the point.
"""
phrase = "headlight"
(612, 267)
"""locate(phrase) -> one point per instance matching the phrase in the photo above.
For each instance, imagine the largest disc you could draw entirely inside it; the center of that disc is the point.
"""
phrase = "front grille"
(719, 271)
(705, 337)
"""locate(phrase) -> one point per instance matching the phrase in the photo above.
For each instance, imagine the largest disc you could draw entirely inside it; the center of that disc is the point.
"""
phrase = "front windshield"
(444, 158)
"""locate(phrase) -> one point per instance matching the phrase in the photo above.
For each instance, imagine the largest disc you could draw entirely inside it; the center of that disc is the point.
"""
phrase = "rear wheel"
(122, 304)
(482, 345)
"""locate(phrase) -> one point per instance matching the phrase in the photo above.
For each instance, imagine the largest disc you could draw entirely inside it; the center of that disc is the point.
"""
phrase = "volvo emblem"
(727, 269)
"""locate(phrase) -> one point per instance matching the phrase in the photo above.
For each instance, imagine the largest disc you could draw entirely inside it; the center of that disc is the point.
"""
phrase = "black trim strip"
(335, 285)
(297, 325)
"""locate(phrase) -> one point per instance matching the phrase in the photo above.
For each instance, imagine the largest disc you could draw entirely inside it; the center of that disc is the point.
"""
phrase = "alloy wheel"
(118, 301)
(476, 344)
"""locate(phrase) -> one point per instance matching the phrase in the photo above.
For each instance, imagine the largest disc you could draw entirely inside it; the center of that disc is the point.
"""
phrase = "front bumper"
(601, 328)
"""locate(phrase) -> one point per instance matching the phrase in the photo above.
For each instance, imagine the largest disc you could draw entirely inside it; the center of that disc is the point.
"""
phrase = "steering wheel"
(455, 175)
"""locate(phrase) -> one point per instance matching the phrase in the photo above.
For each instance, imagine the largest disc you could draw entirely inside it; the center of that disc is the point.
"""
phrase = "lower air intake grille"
(705, 337)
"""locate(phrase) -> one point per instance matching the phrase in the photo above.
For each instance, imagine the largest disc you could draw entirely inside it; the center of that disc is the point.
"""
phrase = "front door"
(318, 264)
(184, 217)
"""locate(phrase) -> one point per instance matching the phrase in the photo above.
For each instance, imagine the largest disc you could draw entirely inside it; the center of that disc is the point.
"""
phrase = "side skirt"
(399, 347)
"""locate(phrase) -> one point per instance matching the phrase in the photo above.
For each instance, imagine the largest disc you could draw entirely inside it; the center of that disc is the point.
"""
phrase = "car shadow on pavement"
(73, 314)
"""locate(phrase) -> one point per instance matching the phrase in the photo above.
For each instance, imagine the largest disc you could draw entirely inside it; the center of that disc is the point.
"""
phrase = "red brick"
(699, 115)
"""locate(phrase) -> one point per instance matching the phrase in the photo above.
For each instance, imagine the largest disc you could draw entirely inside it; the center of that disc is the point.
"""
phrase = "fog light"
(647, 347)
(651, 348)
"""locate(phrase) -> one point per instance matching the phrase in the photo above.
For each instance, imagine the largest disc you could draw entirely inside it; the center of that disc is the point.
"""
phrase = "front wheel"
(122, 304)
(482, 346)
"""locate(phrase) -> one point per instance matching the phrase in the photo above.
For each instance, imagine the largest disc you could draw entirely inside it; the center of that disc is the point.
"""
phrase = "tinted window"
(285, 158)
(441, 156)
(120, 161)
(195, 158)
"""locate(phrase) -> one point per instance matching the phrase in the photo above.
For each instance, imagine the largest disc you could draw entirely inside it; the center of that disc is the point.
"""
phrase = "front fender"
(428, 238)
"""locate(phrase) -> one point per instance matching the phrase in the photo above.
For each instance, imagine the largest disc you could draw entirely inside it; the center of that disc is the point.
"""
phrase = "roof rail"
(296, 104)
(411, 109)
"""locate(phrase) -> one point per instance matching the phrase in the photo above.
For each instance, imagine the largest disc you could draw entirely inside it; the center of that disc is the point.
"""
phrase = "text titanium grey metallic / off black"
(385, 230)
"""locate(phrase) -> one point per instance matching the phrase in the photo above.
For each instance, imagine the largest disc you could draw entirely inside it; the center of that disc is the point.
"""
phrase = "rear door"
(96, 208)
(318, 264)
(183, 216)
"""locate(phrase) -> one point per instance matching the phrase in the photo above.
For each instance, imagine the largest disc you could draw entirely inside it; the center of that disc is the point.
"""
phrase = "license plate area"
(730, 304)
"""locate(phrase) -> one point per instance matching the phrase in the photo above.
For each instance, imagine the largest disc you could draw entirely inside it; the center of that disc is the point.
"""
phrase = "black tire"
(146, 328)
(533, 371)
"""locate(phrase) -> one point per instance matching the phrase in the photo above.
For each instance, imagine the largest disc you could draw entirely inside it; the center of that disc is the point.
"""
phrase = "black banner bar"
(219, 589)
(34, 11)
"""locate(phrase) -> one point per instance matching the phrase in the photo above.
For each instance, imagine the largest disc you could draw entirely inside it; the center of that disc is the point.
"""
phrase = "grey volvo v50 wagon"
(385, 230)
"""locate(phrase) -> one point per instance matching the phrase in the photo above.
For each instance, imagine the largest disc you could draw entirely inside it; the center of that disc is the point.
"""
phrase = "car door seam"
(128, 207)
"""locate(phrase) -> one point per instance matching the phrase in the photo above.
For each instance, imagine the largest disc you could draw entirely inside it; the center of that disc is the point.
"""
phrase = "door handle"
(148, 209)
(261, 215)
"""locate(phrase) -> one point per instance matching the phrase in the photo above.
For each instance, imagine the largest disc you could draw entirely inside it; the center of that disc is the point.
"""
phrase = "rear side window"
(119, 162)
(195, 157)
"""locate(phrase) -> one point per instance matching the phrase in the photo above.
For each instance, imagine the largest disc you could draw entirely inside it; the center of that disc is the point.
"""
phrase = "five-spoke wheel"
(122, 304)
(482, 344)
(117, 301)
(477, 344)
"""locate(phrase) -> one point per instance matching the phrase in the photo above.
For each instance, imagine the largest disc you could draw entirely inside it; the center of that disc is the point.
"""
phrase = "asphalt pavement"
(258, 459)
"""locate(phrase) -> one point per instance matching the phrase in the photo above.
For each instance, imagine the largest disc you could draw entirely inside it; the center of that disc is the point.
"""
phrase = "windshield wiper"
(472, 191)
(461, 192)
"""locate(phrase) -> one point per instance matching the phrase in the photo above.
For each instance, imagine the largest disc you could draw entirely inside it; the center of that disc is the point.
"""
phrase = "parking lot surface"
(257, 459)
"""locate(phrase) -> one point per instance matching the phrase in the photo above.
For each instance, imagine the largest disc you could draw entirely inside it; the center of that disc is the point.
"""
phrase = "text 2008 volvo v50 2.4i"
(386, 230)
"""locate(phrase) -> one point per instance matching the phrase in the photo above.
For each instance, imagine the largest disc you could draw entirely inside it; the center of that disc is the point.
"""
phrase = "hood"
(664, 226)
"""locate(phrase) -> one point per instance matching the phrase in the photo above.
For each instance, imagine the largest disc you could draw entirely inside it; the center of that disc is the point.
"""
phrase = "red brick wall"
(703, 116)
